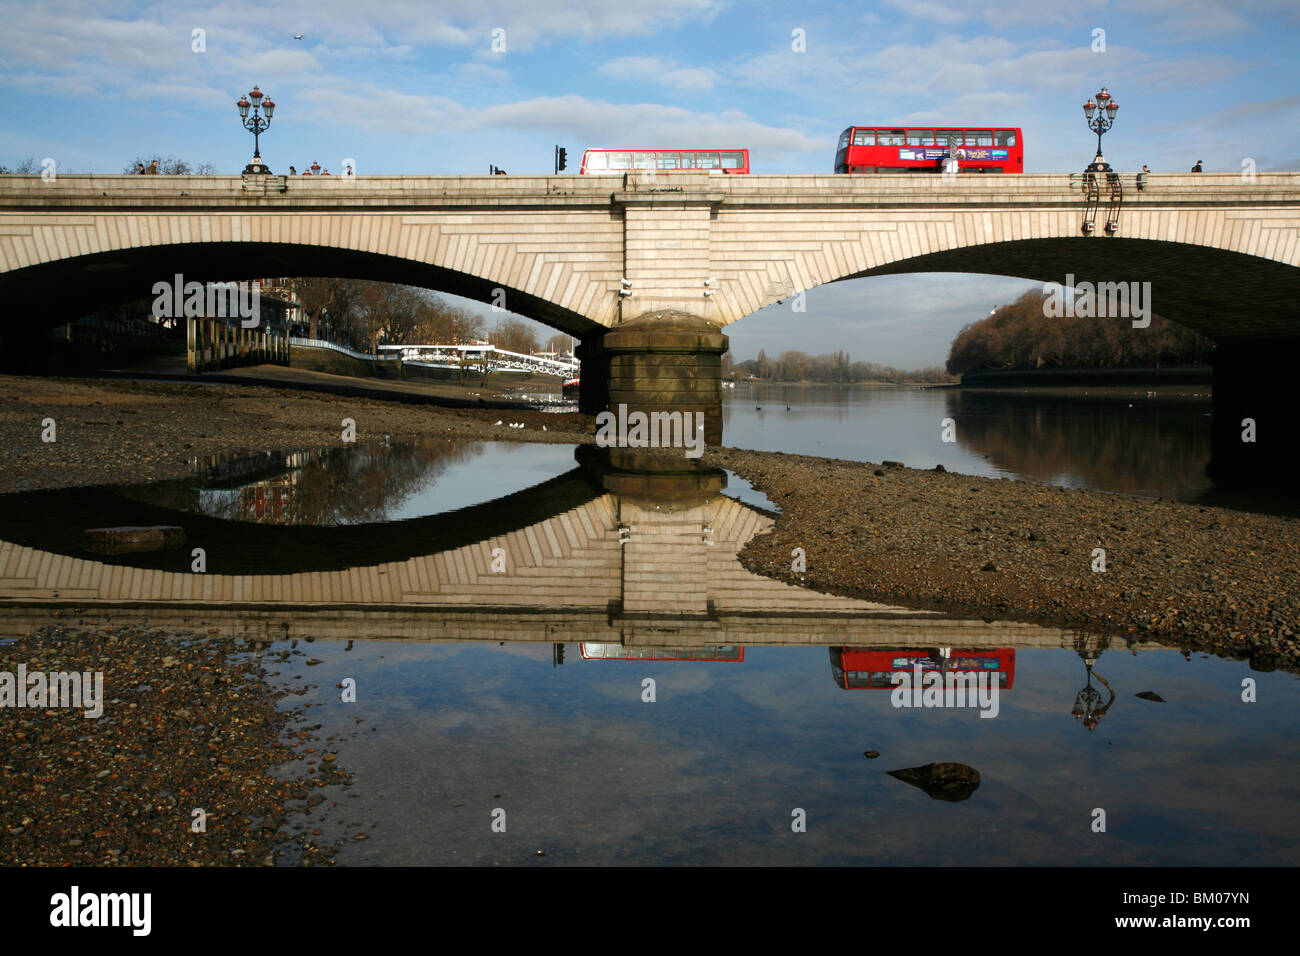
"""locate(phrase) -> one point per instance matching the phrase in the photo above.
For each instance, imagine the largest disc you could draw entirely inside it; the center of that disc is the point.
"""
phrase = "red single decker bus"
(861, 668)
(604, 161)
(907, 149)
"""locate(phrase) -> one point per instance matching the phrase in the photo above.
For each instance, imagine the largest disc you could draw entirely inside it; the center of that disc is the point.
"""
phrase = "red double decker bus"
(604, 161)
(908, 149)
(862, 668)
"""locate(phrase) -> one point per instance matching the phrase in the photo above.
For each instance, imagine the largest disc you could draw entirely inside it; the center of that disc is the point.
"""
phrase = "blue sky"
(406, 86)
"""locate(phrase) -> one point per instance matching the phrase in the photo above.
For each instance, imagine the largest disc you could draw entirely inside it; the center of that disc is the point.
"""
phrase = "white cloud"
(651, 69)
(279, 63)
(454, 23)
(483, 74)
(929, 10)
(591, 121)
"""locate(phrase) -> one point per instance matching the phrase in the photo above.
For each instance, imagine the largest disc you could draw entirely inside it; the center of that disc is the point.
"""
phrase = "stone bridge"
(649, 268)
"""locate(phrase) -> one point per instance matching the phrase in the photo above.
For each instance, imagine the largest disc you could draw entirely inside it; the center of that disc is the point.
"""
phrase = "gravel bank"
(1190, 576)
(188, 721)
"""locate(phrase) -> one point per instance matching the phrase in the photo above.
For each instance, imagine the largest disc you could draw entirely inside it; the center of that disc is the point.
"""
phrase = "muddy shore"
(109, 430)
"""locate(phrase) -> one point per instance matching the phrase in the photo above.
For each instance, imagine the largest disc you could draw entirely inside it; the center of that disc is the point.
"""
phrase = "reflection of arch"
(243, 547)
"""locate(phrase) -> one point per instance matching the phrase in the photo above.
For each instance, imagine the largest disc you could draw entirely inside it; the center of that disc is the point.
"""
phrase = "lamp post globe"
(1099, 114)
(262, 108)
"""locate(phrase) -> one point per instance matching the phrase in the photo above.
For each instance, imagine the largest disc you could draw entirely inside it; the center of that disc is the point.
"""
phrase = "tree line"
(834, 367)
(1021, 336)
(363, 314)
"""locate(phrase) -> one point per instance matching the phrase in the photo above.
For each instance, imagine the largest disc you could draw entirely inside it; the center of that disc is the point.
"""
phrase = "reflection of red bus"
(618, 652)
(907, 149)
(604, 161)
(857, 668)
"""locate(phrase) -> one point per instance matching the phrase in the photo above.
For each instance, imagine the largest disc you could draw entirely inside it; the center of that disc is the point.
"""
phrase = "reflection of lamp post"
(1105, 107)
(1087, 700)
(257, 125)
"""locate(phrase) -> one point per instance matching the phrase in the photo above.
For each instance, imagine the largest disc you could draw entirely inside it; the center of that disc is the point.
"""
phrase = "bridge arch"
(87, 283)
(1225, 295)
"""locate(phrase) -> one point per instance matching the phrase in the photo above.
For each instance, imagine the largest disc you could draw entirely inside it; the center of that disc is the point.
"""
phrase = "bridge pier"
(1255, 383)
(664, 362)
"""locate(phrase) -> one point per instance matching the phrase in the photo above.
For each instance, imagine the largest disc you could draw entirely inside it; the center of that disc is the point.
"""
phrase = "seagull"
(297, 36)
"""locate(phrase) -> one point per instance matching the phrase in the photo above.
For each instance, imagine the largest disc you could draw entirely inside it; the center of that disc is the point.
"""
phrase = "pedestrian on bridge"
(1197, 167)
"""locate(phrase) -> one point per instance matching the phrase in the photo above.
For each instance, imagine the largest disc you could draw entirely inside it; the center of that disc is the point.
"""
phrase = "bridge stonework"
(592, 254)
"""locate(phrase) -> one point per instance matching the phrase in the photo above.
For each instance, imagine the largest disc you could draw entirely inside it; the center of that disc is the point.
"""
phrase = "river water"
(1132, 441)
(730, 719)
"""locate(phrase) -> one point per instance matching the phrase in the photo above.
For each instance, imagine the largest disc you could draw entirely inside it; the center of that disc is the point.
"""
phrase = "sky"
(433, 87)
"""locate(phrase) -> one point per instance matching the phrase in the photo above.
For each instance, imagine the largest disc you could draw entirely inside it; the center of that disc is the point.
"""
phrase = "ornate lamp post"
(256, 124)
(1088, 706)
(1105, 109)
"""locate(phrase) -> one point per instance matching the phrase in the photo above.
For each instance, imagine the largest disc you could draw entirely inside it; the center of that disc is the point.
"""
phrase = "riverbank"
(109, 430)
(1188, 575)
(189, 723)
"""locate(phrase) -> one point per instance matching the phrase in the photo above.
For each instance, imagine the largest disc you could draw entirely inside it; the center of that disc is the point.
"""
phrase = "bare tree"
(23, 168)
(513, 335)
(171, 166)
(328, 301)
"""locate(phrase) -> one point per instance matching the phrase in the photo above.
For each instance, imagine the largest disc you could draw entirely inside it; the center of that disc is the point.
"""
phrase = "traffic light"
(561, 158)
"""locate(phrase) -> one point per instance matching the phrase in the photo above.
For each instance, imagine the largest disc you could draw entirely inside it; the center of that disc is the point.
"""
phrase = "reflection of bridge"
(648, 269)
(457, 356)
(607, 566)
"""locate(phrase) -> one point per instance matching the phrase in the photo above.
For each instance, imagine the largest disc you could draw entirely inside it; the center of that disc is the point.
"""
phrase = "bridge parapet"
(112, 191)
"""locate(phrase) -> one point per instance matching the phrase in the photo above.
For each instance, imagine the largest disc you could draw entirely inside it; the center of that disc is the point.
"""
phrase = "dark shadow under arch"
(52, 293)
(237, 547)
(1228, 296)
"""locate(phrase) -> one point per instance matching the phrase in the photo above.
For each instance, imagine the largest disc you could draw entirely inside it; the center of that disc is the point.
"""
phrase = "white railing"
(322, 344)
(451, 356)
(474, 354)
